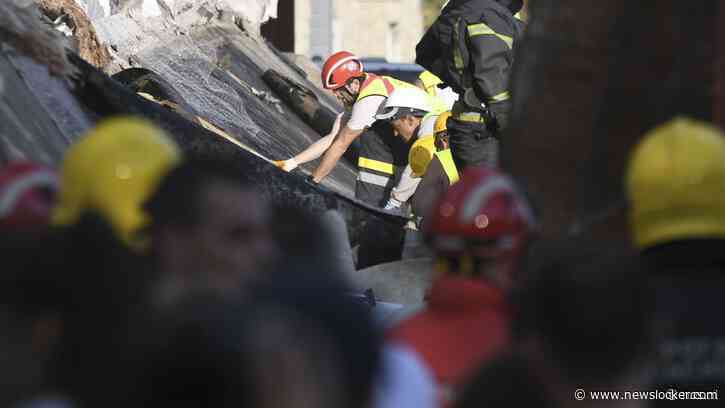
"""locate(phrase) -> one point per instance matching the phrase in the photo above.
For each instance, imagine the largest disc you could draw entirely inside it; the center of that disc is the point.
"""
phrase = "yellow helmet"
(113, 170)
(441, 122)
(420, 155)
(676, 184)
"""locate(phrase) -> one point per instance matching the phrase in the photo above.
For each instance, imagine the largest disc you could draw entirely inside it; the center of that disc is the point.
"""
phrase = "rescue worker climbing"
(470, 47)
(382, 156)
(479, 232)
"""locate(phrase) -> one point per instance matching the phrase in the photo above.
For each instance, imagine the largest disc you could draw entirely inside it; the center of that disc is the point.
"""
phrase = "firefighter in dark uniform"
(470, 47)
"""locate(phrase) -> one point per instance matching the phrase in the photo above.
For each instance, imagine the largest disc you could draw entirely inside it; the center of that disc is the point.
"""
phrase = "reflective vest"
(380, 85)
(382, 155)
(430, 82)
(449, 166)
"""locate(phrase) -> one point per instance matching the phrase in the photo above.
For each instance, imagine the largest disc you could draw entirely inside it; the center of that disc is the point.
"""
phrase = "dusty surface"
(89, 48)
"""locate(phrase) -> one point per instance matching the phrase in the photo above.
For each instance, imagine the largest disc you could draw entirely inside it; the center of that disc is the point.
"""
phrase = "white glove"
(393, 204)
(287, 165)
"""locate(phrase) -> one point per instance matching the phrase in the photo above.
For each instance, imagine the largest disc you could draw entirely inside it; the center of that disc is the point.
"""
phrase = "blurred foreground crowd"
(136, 277)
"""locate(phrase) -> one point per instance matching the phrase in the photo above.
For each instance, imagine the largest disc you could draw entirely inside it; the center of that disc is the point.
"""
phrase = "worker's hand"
(286, 165)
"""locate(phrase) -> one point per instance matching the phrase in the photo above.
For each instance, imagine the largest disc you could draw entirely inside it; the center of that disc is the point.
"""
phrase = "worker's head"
(111, 172)
(28, 192)
(442, 142)
(405, 109)
(210, 228)
(481, 227)
(676, 184)
(343, 74)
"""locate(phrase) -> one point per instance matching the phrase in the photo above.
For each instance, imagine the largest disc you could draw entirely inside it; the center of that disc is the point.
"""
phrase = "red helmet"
(28, 192)
(339, 68)
(484, 215)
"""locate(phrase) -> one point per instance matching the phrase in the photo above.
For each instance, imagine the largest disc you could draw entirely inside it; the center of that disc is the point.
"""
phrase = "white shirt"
(364, 110)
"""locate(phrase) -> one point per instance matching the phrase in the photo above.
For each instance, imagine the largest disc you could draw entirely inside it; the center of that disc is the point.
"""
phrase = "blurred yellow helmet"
(420, 155)
(676, 184)
(113, 170)
(441, 122)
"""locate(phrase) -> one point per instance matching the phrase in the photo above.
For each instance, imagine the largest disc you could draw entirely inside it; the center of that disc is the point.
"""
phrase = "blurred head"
(28, 192)
(481, 227)
(210, 228)
(300, 343)
(584, 313)
(500, 382)
(111, 172)
(343, 74)
(442, 141)
(676, 184)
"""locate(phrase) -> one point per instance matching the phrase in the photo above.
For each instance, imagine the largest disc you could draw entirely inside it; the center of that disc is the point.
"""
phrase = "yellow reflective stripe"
(376, 165)
(470, 117)
(483, 29)
(457, 56)
(449, 166)
(503, 96)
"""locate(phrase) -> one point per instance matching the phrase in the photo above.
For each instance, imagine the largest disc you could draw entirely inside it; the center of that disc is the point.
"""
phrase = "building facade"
(387, 29)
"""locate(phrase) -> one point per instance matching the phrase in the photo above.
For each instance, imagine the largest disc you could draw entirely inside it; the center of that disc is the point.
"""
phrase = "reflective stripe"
(364, 162)
(470, 117)
(374, 179)
(449, 166)
(482, 29)
(503, 96)
(457, 56)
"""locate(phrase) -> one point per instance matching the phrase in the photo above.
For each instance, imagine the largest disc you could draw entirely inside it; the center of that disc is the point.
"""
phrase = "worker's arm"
(491, 58)
(339, 146)
(404, 190)
(361, 117)
(313, 151)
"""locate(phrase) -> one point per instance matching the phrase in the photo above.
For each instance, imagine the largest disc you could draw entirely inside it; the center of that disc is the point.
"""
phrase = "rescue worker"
(479, 232)
(433, 85)
(382, 156)
(675, 183)
(411, 113)
(470, 47)
(441, 173)
(412, 116)
(103, 244)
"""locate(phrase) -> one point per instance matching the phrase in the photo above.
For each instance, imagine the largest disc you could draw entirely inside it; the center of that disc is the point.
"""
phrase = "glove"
(392, 204)
(286, 165)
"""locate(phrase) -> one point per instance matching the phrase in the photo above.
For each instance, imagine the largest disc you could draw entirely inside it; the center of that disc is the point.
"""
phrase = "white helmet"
(410, 101)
